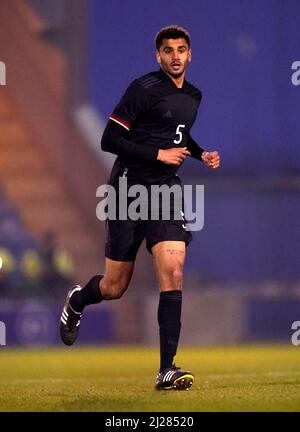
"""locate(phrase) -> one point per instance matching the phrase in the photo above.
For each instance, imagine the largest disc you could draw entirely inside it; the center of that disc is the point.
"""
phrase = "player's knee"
(173, 279)
(176, 277)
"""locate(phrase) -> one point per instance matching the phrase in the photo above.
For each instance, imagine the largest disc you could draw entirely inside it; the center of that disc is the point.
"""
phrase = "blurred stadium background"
(67, 64)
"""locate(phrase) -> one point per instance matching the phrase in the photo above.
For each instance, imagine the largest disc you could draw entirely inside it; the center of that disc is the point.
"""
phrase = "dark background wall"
(242, 57)
(244, 265)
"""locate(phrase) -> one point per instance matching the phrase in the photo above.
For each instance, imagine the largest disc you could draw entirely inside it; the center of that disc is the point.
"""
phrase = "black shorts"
(124, 237)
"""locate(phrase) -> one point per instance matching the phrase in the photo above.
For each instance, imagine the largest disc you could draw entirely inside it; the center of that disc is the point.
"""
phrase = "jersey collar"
(166, 77)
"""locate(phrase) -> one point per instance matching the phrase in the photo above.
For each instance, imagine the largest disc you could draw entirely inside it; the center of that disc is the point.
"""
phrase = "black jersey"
(153, 114)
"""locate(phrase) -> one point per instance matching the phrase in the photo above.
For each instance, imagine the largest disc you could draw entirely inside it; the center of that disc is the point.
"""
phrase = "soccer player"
(149, 131)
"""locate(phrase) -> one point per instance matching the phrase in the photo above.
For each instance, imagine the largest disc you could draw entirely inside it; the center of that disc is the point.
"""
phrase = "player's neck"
(177, 81)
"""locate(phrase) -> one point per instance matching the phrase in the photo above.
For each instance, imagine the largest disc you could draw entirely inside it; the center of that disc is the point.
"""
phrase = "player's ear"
(157, 57)
(190, 55)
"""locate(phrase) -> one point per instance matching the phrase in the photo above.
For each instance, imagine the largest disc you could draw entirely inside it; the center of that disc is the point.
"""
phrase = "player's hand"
(211, 159)
(173, 156)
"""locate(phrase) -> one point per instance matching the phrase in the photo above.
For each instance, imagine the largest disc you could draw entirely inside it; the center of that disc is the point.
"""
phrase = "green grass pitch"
(247, 378)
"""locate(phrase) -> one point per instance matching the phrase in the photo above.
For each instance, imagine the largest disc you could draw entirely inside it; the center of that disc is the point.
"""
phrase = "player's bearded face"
(173, 56)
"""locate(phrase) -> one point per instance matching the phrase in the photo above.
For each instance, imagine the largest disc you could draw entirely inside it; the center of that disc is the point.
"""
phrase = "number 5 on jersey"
(179, 133)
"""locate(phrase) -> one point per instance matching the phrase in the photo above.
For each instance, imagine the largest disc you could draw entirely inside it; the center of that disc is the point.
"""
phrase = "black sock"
(90, 294)
(169, 314)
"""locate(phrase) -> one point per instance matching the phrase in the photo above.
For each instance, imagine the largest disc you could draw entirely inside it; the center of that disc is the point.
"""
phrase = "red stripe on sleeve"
(121, 122)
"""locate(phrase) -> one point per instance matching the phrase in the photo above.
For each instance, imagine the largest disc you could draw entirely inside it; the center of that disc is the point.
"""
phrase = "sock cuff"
(95, 293)
(172, 295)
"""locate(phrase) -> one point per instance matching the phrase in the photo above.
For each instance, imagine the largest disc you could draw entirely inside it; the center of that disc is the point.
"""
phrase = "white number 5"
(179, 133)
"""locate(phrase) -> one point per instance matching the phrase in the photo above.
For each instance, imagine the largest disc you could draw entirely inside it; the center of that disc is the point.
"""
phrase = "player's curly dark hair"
(172, 32)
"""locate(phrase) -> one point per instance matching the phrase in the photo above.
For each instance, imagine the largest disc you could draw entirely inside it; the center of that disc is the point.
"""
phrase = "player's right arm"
(116, 140)
(116, 137)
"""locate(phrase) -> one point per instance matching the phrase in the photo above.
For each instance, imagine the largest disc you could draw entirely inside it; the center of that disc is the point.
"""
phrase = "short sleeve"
(131, 106)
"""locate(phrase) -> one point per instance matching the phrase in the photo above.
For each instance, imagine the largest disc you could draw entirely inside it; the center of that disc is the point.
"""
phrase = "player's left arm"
(210, 159)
